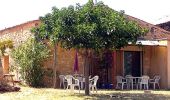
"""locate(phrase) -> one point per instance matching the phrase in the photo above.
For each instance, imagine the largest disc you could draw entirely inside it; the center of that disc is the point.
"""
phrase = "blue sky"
(13, 12)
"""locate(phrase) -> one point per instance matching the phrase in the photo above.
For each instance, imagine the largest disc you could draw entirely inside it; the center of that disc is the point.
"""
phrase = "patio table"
(7, 76)
(81, 80)
(133, 80)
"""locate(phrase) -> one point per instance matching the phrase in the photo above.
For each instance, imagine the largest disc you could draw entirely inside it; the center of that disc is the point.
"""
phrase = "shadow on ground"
(125, 96)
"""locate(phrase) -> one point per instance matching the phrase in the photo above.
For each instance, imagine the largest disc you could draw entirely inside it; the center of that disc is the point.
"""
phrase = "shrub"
(29, 57)
(4, 45)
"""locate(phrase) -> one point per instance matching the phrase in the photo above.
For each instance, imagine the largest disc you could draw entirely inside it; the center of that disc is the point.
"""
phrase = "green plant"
(4, 45)
(29, 56)
(49, 72)
(91, 27)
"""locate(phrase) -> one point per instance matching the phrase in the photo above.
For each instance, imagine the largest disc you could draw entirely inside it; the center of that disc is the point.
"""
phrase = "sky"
(14, 12)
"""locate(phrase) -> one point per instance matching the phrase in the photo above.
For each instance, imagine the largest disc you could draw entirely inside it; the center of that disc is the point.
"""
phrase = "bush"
(29, 57)
(4, 44)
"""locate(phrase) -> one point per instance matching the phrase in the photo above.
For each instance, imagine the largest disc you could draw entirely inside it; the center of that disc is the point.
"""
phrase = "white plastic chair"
(62, 80)
(72, 82)
(69, 81)
(155, 81)
(120, 80)
(93, 83)
(144, 82)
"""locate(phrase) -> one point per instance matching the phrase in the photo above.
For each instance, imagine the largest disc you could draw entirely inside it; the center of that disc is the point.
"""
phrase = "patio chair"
(62, 81)
(122, 81)
(144, 82)
(155, 81)
(72, 82)
(93, 83)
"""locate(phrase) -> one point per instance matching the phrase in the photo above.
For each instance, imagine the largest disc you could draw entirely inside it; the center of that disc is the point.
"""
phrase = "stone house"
(151, 58)
(20, 33)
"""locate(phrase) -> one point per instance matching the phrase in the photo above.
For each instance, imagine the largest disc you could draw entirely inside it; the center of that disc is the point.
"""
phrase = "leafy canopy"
(89, 26)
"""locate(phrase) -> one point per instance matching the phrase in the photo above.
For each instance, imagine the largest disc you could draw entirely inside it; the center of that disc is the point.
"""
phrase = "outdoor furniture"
(76, 75)
(155, 81)
(131, 81)
(81, 80)
(62, 81)
(9, 78)
(121, 80)
(69, 81)
(89, 76)
(72, 82)
(93, 83)
(144, 82)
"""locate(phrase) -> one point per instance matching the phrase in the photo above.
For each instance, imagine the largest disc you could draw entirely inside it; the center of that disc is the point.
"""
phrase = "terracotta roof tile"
(26, 25)
(155, 32)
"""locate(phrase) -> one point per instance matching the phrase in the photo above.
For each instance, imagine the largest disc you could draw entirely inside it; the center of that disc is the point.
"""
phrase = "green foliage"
(89, 26)
(96, 27)
(30, 56)
(48, 29)
(4, 45)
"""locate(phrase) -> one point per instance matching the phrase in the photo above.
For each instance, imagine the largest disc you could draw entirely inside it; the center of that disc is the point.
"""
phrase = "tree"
(91, 28)
(48, 30)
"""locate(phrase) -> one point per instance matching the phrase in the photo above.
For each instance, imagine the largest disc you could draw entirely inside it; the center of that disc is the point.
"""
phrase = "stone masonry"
(65, 58)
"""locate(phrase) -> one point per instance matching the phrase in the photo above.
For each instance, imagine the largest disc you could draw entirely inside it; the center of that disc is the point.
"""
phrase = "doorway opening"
(132, 63)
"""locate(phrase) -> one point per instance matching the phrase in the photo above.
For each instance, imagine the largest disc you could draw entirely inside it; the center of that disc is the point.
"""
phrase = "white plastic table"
(132, 79)
(82, 81)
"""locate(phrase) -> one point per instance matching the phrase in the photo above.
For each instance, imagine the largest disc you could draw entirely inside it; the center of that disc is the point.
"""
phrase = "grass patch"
(27, 93)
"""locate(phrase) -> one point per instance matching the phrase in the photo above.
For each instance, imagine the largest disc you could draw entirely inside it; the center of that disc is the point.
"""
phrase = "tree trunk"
(54, 67)
(86, 65)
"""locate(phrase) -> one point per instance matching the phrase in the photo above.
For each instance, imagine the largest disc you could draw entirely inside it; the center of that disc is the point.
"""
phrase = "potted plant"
(5, 46)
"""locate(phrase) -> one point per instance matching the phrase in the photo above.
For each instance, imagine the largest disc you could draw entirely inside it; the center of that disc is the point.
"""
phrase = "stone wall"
(65, 64)
(19, 33)
(159, 64)
(65, 58)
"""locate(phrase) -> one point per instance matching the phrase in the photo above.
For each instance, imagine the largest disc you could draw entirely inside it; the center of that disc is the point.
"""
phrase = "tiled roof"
(154, 33)
(26, 25)
(165, 25)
